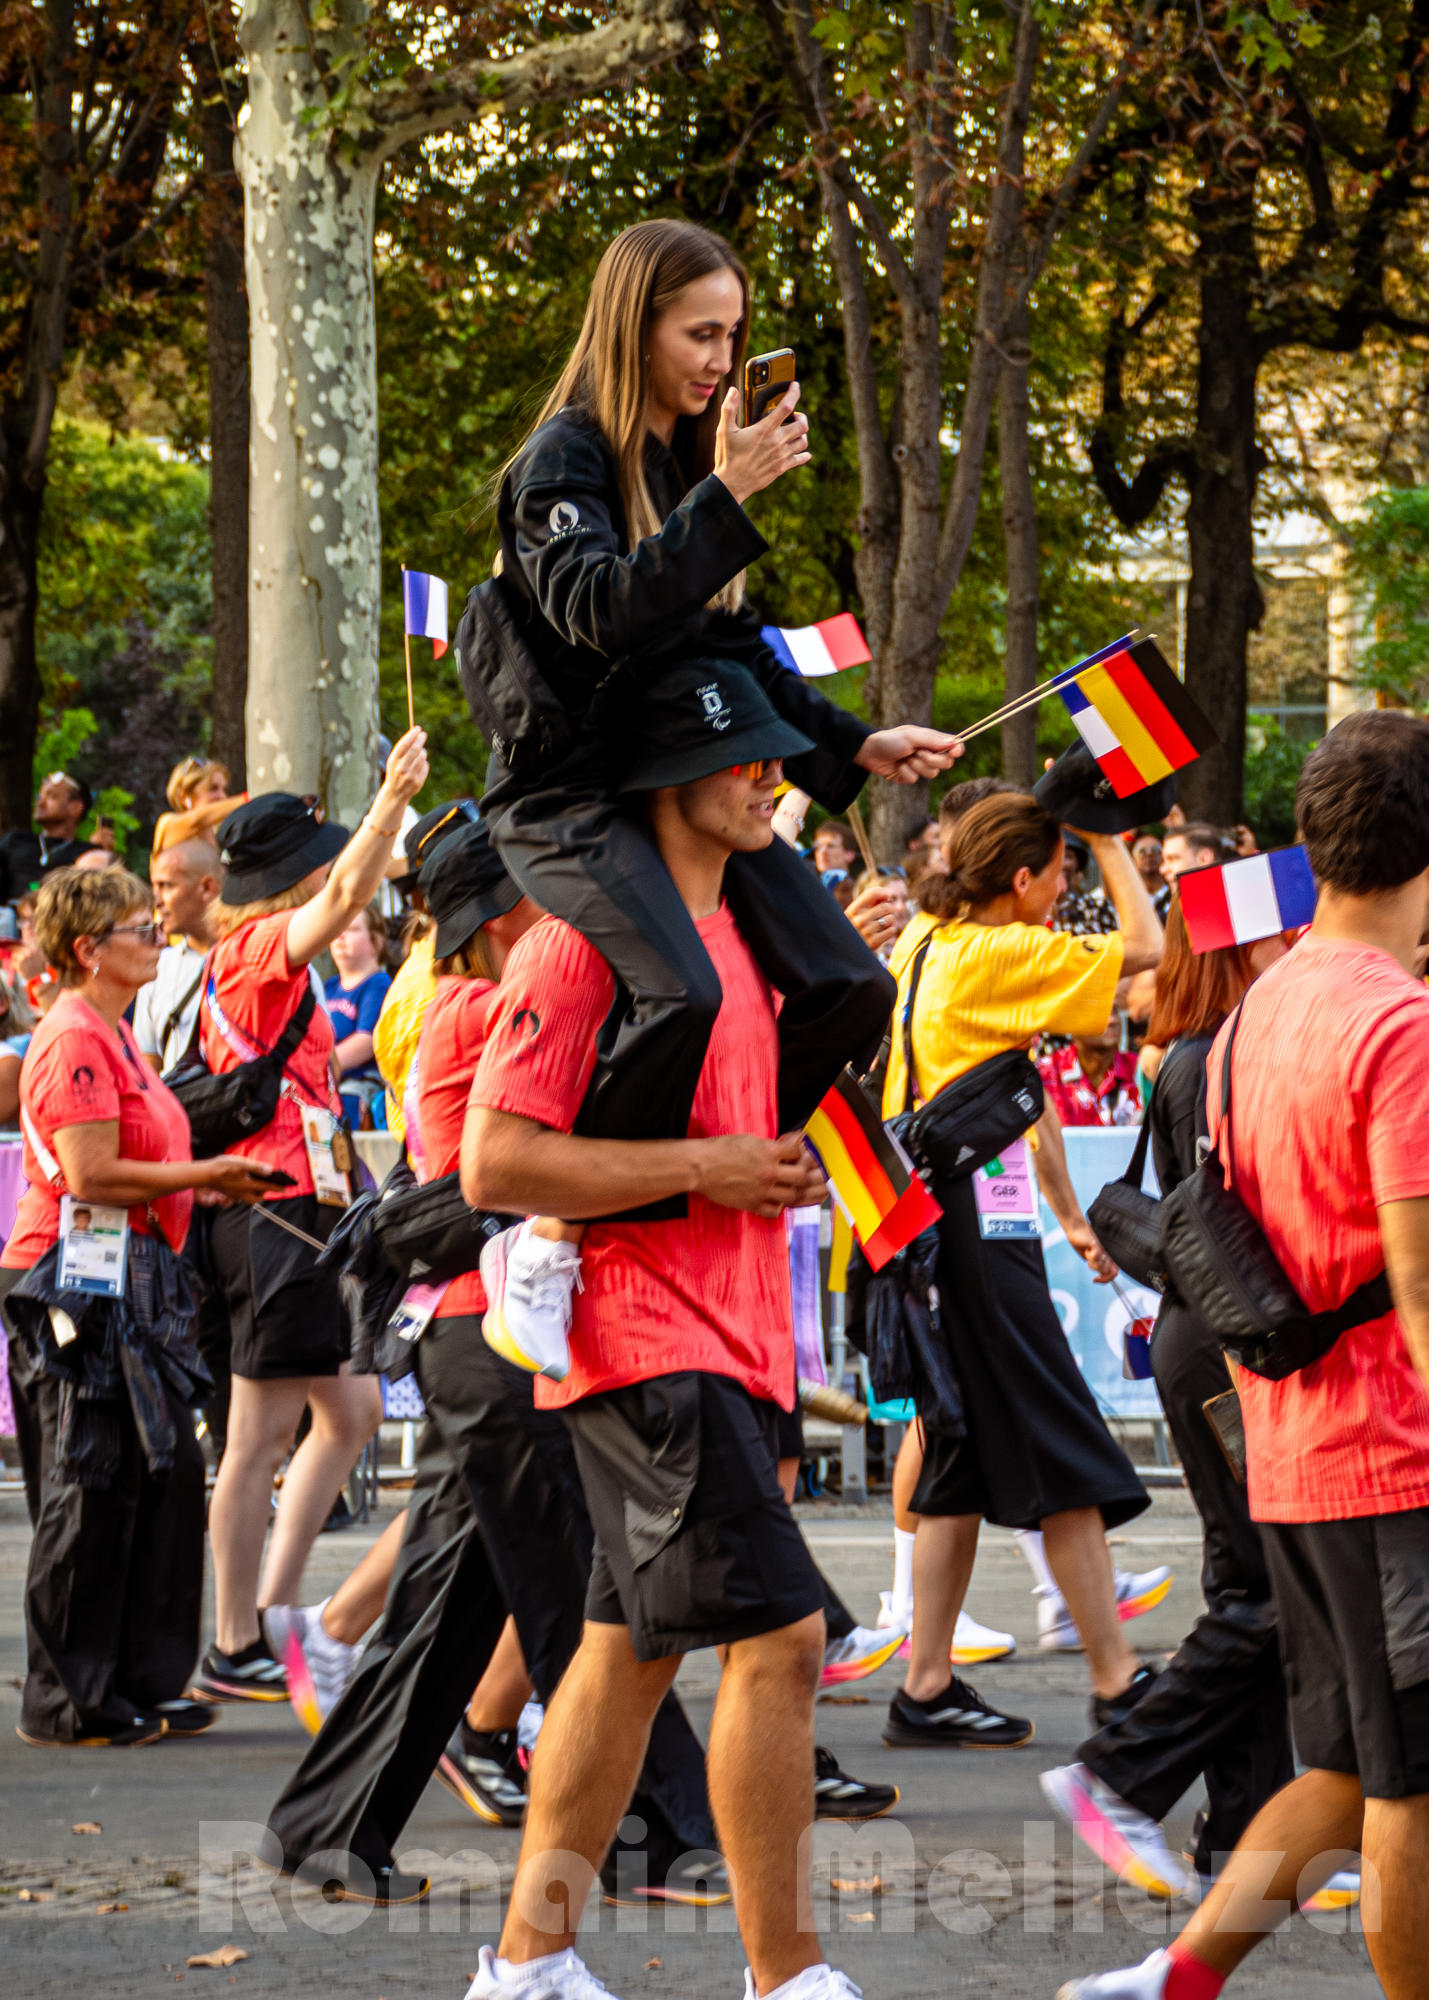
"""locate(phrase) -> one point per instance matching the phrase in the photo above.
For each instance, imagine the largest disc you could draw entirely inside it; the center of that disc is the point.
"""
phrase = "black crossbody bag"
(1128, 1221)
(225, 1109)
(1225, 1271)
(973, 1118)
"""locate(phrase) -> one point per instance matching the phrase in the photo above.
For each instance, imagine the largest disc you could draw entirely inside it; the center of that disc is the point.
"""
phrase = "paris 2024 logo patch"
(717, 711)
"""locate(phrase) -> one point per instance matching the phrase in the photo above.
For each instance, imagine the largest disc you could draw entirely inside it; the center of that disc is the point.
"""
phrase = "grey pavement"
(983, 1894)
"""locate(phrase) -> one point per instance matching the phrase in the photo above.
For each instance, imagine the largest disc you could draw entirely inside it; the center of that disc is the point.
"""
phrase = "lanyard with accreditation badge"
(325, 1138)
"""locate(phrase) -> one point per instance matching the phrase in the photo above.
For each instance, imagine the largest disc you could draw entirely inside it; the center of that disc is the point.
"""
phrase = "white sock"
(529, 1970)
(789, 1985)
(903, 1541)
(1029, 1540)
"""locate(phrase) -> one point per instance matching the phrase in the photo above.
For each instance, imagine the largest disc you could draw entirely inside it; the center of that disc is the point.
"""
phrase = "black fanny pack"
(511, 701)
(972, 1119)
(428, 1234)
(1224, 1269)
(1128, 1221)
(222, 1110)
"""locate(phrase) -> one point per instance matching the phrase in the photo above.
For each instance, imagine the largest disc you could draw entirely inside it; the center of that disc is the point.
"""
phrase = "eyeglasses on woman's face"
(150, 934)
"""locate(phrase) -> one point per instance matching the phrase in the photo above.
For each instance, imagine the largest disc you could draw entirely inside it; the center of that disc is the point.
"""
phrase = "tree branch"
(1132, 502)
(640, 34)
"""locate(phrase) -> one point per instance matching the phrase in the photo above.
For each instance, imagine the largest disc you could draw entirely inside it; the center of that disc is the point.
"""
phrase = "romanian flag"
(826, 648)
(871, 1176)
(1133, 714)
(1240, 901)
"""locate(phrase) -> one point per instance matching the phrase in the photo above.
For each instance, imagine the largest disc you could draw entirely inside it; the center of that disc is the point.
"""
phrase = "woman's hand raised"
(749, 460)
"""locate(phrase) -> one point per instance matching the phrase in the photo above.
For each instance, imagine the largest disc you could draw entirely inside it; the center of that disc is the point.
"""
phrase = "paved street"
(1017, 1927)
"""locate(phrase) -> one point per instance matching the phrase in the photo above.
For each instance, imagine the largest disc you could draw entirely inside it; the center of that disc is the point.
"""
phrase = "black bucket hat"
(703, 717)
(429, 833)
(1076, 792)
(466, 885)
(272, 842)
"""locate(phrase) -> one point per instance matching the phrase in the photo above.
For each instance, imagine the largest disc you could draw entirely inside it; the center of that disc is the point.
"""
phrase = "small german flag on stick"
(871, 1176)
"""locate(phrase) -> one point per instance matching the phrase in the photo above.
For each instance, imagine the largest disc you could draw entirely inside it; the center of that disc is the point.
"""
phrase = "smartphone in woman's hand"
(766, 380)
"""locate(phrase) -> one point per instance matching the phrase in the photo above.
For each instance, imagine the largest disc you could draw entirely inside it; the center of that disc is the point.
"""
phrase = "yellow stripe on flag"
(853, 1194)
(1135, 738)
(840, 1250)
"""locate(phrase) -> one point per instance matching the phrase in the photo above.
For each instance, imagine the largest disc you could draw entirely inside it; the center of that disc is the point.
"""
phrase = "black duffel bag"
(1225, 1271)
(222, 1110)
(1128, 1221)
(511, 701)
(895, 1321)
(972, 1119)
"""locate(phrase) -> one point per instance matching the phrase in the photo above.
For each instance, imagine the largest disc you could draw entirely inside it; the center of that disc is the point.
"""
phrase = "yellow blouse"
(988, 988)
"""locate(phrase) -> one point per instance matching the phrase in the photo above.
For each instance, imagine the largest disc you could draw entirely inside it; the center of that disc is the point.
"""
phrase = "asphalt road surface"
(982, 1893)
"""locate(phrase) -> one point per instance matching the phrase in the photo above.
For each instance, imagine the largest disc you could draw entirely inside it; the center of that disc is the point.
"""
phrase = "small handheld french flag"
(424, 608)
(825, 648)
(1240, 901)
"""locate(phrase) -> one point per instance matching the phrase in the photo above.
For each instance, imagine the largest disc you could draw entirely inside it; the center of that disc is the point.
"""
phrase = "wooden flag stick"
(860, 834)
(407, 650)
(1011, 708)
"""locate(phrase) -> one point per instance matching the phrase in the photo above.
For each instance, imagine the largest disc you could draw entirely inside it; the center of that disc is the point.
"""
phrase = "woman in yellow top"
(1037, 1453)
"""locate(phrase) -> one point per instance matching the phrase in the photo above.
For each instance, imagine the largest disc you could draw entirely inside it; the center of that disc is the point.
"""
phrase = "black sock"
(932, 1701)
(257, 1651)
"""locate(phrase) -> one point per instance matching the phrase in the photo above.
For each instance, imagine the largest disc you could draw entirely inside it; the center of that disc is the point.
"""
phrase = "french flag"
(424, 608)
(1240, 901)
(825, 648)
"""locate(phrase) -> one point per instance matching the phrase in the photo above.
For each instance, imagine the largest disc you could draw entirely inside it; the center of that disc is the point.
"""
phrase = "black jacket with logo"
(587, 599)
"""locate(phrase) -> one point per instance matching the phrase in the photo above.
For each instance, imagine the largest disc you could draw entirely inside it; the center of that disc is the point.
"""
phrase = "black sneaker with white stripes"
(838, 1796)
(956, 1719)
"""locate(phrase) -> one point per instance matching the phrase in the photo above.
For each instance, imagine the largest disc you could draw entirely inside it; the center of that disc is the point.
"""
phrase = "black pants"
(213, 1332)
(114, 1588)
(1220, 1708)
(497, 1521)
(591, 860)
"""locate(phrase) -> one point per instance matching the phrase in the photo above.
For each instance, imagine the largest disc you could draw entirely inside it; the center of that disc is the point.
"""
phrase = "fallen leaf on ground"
(110, 1909)
(87, 1826)
(873, 1887)
(36, 1896)
(861, 1917)
(225, 1954)
(844, 1700)
(654, 1965)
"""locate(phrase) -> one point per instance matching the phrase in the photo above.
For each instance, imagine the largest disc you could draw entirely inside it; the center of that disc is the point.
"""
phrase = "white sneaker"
(815, 1982)
(1146, 1981)
(558, 1976)
(318, 1667)
(1135, 1595)
(1132, 1845)
(529, 1283)
(861, 1653)
(973, 1643)
(886, 1620)
(528, 1728)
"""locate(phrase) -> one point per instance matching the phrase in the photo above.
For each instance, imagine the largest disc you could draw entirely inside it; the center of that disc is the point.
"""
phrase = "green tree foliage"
(125, 605)
(1390, 560)
(1272, 771)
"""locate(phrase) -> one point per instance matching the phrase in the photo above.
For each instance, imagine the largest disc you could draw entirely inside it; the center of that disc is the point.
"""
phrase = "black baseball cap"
(431, 830)
(273, 841)
(466, 885)
(702, 717)
(1076, 792)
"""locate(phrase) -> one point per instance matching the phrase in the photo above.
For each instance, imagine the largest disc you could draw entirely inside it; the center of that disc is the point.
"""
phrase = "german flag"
(1133, 714)
(871, 1176)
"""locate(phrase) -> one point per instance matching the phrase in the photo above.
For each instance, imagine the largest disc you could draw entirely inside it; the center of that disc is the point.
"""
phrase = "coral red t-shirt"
(453, 1035)
(258, 993)
(711, 1292)
(79, 1071)
(1318, 1145)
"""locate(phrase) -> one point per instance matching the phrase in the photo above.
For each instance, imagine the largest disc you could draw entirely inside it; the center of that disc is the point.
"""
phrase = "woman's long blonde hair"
(639, 277)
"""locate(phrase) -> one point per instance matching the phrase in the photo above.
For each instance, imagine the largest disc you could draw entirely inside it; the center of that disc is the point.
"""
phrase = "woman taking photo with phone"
(624, 542)
(294, 884)
(1037, 1454)
(114, 1481)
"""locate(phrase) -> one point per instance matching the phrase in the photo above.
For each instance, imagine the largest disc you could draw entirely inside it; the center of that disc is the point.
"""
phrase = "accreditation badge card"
(1006, 1195)
(94, 1248)
(321, 1136)
(413, 1316)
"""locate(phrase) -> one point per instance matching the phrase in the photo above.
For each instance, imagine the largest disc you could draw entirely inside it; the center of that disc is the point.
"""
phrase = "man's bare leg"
(504, 1689)
(1396, 1848)
(356, 1605)
(761, 1780)
(587, 1759)
(943, 1558)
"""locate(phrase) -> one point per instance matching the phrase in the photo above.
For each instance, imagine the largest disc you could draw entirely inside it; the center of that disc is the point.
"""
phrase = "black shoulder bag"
(1128, 1221)
(1227, 1274)
(511, 701)
(973, 1118)
(225, 1109)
